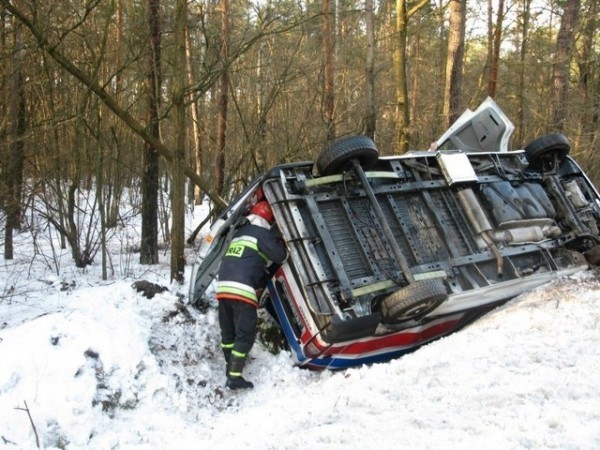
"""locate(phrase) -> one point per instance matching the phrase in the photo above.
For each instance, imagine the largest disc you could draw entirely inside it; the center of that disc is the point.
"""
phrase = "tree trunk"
(149, 244)
(178, 184)
(16, 157)
(402, 116)
(402, 137)
(328, 49)
(371, 116)
(524, 24)
(100, 185)
(223, 99)
(485, 73)
(589, 86)
(118, 35)
(562, 61)
(3, 16)
(196, 151)
(454, 61)
(495, 60)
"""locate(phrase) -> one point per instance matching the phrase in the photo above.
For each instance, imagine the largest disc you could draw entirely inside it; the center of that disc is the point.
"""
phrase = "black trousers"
(238, 324)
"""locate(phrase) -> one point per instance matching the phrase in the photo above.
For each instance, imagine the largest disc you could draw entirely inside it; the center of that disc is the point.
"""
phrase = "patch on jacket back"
(236, 250)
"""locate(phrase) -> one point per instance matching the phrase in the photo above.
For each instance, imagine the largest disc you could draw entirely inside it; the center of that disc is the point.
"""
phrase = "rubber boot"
(227, 355)
(226, 349)
(234, 373)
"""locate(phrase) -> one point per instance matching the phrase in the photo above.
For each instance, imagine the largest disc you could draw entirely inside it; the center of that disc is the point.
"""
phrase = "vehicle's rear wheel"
(414, 301)
(541, 152)
(338, 156)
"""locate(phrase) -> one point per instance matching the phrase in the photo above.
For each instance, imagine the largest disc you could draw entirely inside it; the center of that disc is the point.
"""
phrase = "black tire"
(414, 301)
(338, 156)
(541, 152)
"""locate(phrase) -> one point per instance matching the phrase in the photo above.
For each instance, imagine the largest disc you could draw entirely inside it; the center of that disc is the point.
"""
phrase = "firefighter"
(245, 269)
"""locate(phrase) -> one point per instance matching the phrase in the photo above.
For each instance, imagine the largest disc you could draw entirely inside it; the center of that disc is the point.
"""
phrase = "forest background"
(166, 103)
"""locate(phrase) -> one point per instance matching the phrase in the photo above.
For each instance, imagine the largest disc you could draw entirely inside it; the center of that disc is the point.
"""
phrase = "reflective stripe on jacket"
(243, 268)
(236, 291)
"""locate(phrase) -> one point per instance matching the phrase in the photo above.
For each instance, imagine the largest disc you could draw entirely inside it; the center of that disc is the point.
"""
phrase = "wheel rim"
(418, 309)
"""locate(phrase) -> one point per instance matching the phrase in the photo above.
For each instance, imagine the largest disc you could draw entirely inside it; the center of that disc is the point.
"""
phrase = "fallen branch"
(26, 409)
(6, 441)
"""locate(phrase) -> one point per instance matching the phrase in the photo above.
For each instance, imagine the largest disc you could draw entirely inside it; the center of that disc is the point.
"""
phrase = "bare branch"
(26, 409)
(109, 100)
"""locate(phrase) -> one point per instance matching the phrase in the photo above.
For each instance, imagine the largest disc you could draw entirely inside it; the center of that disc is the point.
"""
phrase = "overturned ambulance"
(389, 253)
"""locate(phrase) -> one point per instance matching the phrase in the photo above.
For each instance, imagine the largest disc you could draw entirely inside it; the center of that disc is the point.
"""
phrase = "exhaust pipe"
(480, 223)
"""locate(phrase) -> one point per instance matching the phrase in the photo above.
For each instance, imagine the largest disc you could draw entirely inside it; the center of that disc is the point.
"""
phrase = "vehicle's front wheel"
(414, 301)
(339, 155)
(541, 153)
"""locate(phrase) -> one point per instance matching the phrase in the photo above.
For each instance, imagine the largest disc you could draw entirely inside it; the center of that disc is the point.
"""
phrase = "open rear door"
(487, 129)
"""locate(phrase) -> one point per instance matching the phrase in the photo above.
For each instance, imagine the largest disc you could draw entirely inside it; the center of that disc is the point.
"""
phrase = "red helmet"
(263, 209)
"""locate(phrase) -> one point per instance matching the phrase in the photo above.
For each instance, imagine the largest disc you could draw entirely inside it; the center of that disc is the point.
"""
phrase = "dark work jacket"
(244, 267)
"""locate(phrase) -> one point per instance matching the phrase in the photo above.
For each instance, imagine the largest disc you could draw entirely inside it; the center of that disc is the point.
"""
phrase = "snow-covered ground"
(93, 364)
